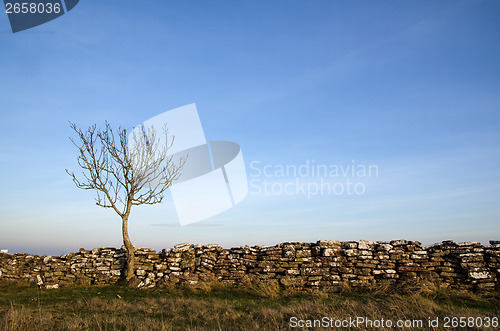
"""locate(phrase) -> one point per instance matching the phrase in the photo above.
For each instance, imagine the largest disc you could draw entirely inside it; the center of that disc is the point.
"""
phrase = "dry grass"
(213, 306)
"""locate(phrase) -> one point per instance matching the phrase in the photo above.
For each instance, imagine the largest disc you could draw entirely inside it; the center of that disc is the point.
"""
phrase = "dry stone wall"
(326, 264)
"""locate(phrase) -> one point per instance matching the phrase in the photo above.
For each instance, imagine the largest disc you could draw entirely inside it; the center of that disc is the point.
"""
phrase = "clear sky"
(410, 87)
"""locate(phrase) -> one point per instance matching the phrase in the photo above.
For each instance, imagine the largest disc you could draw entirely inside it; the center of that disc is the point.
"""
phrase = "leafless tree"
(124, 173)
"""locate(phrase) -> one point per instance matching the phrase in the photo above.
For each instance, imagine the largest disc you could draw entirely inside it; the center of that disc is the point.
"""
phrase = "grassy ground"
(216, 307)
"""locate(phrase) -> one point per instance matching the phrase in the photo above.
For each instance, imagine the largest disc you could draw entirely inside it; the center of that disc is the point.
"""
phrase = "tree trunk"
(129, 247)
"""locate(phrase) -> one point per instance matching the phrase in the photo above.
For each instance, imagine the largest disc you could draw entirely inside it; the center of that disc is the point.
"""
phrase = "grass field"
(218, 307)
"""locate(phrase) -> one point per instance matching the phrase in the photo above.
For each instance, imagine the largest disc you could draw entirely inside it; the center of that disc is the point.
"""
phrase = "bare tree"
(124, 175)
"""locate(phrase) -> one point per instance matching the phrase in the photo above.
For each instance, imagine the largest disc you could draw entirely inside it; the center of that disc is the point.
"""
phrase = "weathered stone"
(366, 245)
(322, 264)
(328, 243)
(384, 247)
(304, 253)
(400, 242)
(183, 247)
(329, 252)
(351, 252)
(480, 275)
(51, 286)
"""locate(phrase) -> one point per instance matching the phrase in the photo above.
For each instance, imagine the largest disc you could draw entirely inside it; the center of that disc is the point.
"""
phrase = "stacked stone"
(183, 263)
(324, 264)
(293, 265)
(171, 263)
(384, 258)
(188, 263)
(492, 258)
(242, 264)
(308, 260)
(471, 258)
(97, 266)
(411, 260)
(308, 268)
(447, 269)
(463, 265)
(19, 266)
(268, 263)
(249, 257)
(55, 272)
(208, 257)
(331, 253)
(358, 264)
(144, 265)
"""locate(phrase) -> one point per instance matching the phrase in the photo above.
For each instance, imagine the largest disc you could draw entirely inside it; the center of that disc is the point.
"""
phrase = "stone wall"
(325, 264)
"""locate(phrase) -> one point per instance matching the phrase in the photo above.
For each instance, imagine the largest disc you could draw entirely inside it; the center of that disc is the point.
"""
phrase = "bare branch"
(124, 175)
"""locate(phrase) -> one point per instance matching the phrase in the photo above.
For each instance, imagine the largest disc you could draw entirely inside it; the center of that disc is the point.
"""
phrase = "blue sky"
(412, 87)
